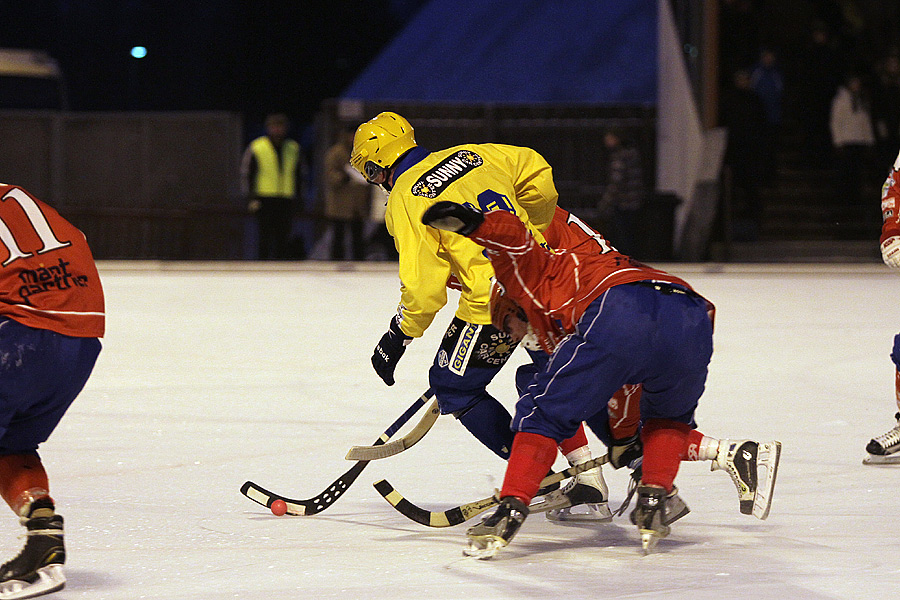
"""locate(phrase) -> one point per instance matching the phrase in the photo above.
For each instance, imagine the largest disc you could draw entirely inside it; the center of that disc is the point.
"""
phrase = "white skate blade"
(649, 538)
(583, 513)
(885, 459)
(484, 548)
(767, 459)
(51, 579)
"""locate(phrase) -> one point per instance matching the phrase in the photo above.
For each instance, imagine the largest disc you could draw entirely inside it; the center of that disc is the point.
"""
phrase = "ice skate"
(675, 505)
(675, 508)
(37, 570)
(884, 449)
(768, 457)
(497, 529)
(738, 458)
(584, 498)
(627, 452)
(650, 516)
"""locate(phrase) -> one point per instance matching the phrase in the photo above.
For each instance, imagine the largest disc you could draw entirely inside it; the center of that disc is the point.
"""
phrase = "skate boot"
(650, 515)
(626, 452)
(497, 529)
(548, 488)
(38, 568)
(584, 498)
(884, 449)
(675, 506)
(738, 459)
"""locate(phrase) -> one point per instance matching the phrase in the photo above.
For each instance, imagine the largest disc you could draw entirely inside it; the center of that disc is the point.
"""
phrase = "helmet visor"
(374, 173)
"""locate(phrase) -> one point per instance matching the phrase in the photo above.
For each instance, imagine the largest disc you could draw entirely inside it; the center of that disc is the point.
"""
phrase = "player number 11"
(38, 222)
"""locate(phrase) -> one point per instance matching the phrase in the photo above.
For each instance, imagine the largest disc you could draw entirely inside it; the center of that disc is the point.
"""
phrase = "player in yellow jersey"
(488, 176)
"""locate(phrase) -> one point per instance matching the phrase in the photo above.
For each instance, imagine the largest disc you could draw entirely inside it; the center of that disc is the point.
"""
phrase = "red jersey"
(566, 232)
(555, 289)
(48, 279)
(890, 202)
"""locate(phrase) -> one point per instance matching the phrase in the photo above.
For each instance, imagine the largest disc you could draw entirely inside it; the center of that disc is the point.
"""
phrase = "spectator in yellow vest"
(272, 172)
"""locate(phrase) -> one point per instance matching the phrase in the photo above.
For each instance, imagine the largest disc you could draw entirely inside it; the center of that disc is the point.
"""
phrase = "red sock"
(664, 444)
(531, 457)
(692, 447)
(579, 440)
(22, 479)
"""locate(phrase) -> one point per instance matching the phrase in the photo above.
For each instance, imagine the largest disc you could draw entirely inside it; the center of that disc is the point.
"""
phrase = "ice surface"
(212, 375)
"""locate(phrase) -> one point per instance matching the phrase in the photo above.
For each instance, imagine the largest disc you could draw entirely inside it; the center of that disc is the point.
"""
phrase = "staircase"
(804, 221)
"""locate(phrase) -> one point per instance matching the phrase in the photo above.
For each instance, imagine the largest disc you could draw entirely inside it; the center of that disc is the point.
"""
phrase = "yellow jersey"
(487, 176)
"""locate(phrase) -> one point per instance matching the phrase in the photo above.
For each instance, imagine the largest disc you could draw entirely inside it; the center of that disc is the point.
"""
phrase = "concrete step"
(799, 251)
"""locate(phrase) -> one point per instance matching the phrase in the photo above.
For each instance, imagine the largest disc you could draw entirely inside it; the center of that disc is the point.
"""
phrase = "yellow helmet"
(379, 143)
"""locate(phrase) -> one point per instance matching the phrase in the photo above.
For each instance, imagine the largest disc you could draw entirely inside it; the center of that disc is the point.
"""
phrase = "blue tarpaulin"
(519, 51)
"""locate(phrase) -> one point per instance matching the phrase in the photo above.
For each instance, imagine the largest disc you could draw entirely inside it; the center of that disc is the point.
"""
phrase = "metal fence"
(570, 137)
(139, 185)
(166, 185)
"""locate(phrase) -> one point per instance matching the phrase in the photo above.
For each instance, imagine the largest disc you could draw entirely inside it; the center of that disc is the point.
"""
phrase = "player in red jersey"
(619, 432)
(617, 426)
(886, 447)
(624, 323)
(51, 316)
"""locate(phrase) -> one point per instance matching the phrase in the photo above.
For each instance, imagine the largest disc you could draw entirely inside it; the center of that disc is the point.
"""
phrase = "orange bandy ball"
(278, 508)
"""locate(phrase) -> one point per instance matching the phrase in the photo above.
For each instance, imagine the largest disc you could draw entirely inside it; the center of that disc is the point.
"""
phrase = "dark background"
(248, 57)
(257, 57)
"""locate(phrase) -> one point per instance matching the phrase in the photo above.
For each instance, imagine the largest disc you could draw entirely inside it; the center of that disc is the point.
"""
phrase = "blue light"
(138, 52)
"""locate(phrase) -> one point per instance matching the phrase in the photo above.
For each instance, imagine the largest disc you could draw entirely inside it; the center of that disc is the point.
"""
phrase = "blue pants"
(470, 356)
(631, 334)
(599, 423)
(895, 355)
(41, 373)
(468, 359)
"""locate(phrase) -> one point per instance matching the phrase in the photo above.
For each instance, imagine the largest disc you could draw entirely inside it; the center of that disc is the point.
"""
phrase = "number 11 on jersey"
(38, 223)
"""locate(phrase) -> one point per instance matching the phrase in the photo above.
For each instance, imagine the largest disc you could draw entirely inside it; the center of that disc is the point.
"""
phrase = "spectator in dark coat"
(767, 81)
(744, 114)
(624, 196)
(820, 73)
(886, 107)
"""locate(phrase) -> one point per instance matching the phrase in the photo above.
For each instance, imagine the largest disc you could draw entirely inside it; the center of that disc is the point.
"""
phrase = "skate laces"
(632, 488)
(55, 532)
(891, 438)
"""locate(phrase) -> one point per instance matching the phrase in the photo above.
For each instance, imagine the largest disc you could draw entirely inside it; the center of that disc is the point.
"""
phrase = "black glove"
(389, 350)
(626, 452)
(450, 216)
